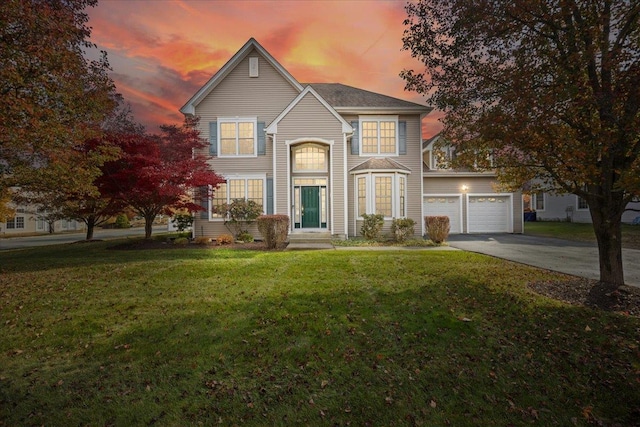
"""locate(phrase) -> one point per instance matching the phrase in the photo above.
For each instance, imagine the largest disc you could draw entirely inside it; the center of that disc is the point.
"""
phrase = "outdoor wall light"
(464, 188)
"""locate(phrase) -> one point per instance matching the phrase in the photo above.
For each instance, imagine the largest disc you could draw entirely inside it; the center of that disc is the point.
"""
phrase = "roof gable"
(189, 107)
(273, 126)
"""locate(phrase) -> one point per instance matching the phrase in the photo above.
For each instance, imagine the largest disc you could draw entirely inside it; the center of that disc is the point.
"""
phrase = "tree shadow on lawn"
(102, 252)
(453, 352)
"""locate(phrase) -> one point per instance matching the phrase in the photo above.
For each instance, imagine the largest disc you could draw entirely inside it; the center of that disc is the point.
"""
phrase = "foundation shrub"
(181, 241)
(225, 239)
(202, 240)
(372, 226)
(402, 229)
(274, 229)
(437, 228)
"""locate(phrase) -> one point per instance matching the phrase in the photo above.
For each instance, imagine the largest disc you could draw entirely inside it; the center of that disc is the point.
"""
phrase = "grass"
(92, 336)
(580, 232)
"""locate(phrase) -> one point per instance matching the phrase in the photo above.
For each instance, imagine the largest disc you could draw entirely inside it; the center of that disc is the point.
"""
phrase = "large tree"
(157, 173)
(53, 97)
(550, 88)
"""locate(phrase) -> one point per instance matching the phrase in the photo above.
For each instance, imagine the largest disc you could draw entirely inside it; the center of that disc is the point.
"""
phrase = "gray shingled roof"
(379, 164)
(343, 96)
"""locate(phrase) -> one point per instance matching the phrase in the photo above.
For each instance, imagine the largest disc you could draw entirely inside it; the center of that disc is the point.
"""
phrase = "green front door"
(310, 207)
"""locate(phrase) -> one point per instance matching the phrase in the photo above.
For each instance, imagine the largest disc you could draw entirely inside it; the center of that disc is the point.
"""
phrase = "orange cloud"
(161, 54)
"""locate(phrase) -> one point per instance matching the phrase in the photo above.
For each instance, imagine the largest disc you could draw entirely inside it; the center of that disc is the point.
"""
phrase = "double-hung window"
(237, 137)
(379, 136)
(382, 193)
(246, 188)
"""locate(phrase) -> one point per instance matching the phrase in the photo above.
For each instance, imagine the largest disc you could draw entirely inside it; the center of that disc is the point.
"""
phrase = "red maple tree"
(156, 174)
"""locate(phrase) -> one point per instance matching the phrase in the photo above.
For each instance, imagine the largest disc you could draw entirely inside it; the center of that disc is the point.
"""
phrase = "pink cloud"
(164, 53)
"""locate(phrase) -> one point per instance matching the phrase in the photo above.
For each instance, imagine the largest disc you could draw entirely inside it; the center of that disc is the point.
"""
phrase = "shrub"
(245, 237)
(225, 239)
(181, 241)
(402, 229)
(122, 221)
(182, 221)
(239, 214)
(202, 240)
(437, 228)
(372, 226)
(274, 229)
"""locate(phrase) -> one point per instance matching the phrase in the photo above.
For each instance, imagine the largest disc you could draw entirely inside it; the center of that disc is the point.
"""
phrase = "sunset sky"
(163, 51)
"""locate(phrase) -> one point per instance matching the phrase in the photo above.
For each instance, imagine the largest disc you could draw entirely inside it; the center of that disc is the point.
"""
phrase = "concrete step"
(309, 241)
(310, 237)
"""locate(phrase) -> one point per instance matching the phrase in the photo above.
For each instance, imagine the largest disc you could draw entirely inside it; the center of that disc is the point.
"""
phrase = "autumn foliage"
(156, 173)
(546, 91)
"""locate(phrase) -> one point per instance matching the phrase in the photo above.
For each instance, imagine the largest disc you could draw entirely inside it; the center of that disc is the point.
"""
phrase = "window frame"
(378, 120)
(294, 153)
(245, 178)
(398, 201)
(539, 196)
(237, 120)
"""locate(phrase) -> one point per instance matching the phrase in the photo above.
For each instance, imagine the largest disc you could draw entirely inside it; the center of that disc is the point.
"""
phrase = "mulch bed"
(591, 293)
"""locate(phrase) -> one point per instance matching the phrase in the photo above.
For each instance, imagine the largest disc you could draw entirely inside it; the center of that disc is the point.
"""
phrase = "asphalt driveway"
(576, 258)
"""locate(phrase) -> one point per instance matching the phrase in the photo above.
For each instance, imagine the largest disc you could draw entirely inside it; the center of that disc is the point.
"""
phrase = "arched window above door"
(309, 158)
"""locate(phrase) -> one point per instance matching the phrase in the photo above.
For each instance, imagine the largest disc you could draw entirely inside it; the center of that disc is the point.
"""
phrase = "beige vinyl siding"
(412, 160)
(239, 95)
(476, 185)
(309, 119)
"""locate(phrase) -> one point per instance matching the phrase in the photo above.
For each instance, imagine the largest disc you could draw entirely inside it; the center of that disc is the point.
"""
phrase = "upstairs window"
(237, 137)
(379, 136)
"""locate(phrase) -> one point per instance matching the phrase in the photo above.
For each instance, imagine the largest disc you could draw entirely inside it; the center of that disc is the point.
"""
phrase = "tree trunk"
(608, 232)
(148, 225)
(91, 225)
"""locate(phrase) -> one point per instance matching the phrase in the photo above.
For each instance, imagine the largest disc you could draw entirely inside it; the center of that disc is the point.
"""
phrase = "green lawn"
(91, 336)
(580, 232)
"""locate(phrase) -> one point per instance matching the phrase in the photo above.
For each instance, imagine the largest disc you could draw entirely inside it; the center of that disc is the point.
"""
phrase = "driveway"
(575, 258)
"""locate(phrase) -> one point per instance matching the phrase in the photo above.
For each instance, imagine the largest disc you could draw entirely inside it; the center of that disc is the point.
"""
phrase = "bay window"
(381, 193)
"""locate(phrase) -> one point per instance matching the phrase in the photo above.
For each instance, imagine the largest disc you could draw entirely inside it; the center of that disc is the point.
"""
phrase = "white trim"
(509, 205)
(328, 142)
(378, 119)
(345, 189)
(190, 106)
(458, 195)
(237, 121)
(273, 126)
(275, 173)
(330, 192)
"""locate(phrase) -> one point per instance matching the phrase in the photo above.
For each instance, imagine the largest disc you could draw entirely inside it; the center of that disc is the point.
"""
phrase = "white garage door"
(446, 206)
(489, 214)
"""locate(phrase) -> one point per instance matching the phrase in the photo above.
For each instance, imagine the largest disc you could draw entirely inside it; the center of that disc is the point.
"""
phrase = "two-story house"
(321, 153)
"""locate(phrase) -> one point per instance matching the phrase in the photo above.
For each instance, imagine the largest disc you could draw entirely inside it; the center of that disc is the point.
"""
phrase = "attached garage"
(445, 205)
(489, 213)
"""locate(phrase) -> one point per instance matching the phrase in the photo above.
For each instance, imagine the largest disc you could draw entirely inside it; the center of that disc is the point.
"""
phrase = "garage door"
(446, 206)
(489, 214)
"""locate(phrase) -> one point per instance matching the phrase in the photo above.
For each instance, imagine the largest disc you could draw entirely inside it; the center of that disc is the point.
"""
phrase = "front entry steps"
(306, 241)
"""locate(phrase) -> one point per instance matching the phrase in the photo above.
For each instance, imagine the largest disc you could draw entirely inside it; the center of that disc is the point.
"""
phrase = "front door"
(310, 209)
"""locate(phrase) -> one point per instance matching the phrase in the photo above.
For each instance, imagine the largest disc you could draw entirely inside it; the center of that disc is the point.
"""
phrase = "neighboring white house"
(326, 153)
(28, 220)
(568, 207)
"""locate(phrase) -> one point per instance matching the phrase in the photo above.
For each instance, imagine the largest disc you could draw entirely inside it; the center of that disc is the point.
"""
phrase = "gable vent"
(253, 67)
